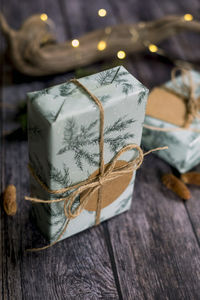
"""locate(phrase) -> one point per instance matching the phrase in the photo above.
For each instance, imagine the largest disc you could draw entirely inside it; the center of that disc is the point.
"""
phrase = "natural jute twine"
(192, 105)
(91, 184)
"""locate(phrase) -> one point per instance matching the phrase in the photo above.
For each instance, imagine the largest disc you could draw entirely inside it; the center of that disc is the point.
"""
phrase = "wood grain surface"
(150, 252)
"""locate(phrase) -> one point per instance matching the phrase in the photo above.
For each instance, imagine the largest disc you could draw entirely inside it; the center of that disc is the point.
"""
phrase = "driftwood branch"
(34, 50)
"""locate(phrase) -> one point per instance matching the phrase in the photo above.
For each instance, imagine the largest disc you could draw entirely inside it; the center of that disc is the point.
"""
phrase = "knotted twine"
(192, 105)
(91, 185)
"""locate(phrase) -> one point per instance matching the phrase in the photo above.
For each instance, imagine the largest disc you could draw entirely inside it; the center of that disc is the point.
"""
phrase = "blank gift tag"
(166, 106)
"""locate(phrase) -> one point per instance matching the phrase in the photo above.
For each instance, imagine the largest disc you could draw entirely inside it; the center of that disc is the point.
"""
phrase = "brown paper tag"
(166, 106)
(111, 190)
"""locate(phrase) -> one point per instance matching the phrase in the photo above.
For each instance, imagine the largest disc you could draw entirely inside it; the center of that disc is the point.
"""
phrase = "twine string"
(91, 185)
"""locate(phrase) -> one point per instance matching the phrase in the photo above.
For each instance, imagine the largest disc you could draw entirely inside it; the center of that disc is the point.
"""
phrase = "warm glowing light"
(188, 17)
(43, 17)
(101, 45)
(75, 43)
(102, 12)
(153, 48)
(121, 54)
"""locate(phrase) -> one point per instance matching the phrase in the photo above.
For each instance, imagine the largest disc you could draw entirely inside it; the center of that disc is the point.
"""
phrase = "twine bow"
(91, 185)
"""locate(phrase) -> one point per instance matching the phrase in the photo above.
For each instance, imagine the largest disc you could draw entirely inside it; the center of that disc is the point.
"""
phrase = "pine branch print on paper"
(116, 77)
(114, 141)
(104, 98)
(119, 79)
(61, 178)
(119, 125)
(54, 174)
(34, 131)
(105, 77)
(35, 95)
(66, 89)
(142, 96)
(77, 139)
(37, 166)
(126, 88)
(50, 116)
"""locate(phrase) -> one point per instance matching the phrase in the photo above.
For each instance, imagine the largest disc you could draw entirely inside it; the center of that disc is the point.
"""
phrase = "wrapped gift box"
(167, 110)
(63, 134)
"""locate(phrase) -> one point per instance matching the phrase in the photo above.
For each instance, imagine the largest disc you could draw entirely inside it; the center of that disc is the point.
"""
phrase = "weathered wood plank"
(2, 47)
(77, 268)
(192, 207)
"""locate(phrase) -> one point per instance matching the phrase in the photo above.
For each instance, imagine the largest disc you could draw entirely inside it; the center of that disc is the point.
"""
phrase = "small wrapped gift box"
(64, 136)
(167, 110)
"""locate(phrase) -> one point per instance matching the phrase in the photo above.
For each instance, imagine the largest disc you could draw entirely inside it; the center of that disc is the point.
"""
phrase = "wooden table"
(150, 252)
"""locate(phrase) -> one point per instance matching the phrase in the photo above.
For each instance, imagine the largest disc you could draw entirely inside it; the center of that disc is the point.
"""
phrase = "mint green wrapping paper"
(184, 146)
(63, 135)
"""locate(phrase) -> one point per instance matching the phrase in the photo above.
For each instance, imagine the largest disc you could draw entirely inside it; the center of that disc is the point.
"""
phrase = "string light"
(75, 43)
(102, 12)
(43, 17)
(101, 45)
(121, 54)
(153, 48)
(188, 17)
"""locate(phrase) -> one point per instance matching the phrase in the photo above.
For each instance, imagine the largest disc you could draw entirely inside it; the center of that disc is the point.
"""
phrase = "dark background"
(150, 252)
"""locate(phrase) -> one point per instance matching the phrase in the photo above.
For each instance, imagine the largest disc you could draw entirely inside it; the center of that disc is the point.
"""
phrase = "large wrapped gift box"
(63, 135)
